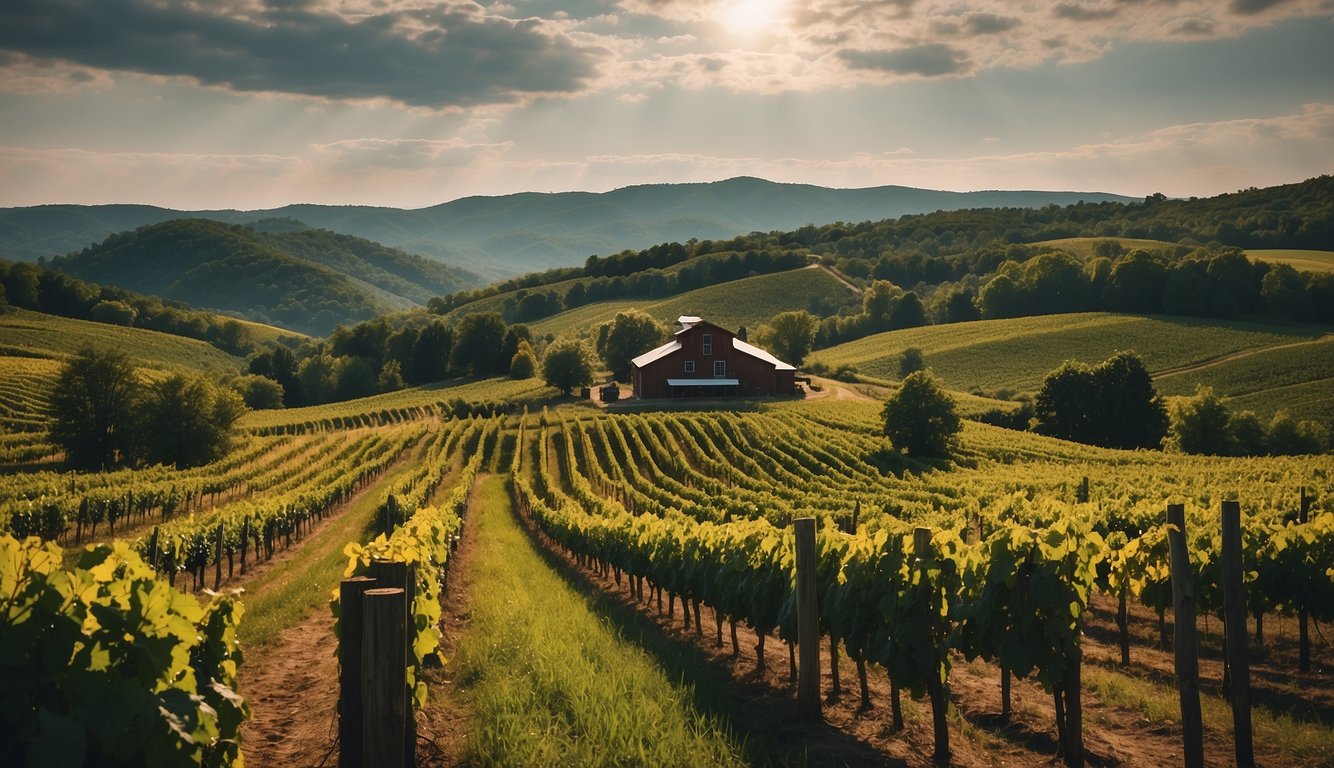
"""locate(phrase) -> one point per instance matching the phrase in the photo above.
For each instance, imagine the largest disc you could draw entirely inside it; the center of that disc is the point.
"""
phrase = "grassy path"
(551, 681)
(303, 579)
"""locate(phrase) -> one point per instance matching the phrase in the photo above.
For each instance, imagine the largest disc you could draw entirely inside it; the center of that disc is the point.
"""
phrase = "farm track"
(839, 276)
(1232, 356)
(292, 683)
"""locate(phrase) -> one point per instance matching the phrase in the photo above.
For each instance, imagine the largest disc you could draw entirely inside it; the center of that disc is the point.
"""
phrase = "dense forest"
(306, 280)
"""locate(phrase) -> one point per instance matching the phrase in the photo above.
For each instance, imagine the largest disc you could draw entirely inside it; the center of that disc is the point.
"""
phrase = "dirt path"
(443, 726)
(832, 389)
(292, 685)
(839, 276)
(293, 695)
(1221, 359)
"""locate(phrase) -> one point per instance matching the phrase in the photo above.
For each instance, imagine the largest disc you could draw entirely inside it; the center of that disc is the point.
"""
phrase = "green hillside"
(33, 345)
(308, 280)
(992, 355)
(747, 302)
(1296, 376)
(25, 334)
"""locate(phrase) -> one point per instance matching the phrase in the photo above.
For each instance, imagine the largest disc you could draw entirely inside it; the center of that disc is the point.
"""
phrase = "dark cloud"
(448, 55)
(989, 24)
(1252, 7)
(1082, 12)
(927, 60)
(1194, 28)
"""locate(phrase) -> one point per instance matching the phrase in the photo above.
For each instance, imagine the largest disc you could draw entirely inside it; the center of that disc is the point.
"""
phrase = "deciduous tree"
(790, 335)
(93, 407)
(567, 363)
(920, 419)
(630, 334)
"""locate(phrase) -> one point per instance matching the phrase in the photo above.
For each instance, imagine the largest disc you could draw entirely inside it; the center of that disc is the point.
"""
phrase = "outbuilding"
(704, 360)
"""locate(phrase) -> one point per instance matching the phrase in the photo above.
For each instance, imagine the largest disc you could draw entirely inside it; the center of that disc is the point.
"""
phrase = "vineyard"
(1027, 570)
(1015, 354)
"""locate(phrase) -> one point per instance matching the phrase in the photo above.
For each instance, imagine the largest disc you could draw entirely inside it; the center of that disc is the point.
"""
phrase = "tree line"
(104, 414)
(29, 286)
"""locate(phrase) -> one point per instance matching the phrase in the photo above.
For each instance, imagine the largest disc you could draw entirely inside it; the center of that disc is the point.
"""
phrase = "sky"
(251, 104)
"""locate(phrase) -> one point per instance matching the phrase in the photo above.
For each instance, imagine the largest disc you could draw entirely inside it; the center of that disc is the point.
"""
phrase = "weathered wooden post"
(217, 564)
(350, 710)
(245, 541)
(808, 620)
(384, 669)
(921, 544)
(402, 576)
(1234, 616)
(152, 549)
(1187, 658)
(1303, 612)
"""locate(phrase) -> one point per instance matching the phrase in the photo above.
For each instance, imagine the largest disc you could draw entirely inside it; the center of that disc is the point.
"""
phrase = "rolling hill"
(514, 234)
(306, 280)
(1266, 366)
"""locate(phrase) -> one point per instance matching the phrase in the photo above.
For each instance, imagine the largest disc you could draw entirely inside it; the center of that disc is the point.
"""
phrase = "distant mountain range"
(277, 271)
(515, 234)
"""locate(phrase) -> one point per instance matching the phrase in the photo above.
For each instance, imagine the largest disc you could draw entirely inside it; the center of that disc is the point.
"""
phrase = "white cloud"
(1179, 160)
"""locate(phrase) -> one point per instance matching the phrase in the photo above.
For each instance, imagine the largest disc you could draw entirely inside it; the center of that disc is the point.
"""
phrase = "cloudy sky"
(258, 103)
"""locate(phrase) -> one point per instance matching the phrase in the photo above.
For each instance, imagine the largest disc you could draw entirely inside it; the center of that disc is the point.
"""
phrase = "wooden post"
(217, 566)
(403, 576)
(152, 549)
(384, 668)
(245, 541)
(349, 669)
(1303, 612)
(921, 543)
(1234, 616)
(1187, 658)
(808, 620)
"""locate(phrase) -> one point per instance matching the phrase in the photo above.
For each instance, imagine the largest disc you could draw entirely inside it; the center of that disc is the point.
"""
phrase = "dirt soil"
(292, 689)
(443, 726)
(765, 707)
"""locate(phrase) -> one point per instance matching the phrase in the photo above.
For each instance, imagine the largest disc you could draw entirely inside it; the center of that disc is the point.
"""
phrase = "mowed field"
(1301, 260)
(1083, 246)
(749, 302)
(1014, 355)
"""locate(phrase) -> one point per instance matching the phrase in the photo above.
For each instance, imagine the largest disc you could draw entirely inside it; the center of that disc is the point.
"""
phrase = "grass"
(32, 334)
(1016, 354)
(1301, 260)
(747, 302)
(1299, 378)
(499, 389)
(282, 595)
(1083, 246)
(555, 683)
(1159, 703)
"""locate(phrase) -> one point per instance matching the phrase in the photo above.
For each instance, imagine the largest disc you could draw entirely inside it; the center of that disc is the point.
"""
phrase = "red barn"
(707, 361)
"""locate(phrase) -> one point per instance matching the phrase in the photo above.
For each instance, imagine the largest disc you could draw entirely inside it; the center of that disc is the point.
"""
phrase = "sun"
(748, 17)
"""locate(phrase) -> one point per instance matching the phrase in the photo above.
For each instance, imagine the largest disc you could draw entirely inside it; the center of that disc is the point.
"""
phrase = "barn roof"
(754, 351)
(653, 355)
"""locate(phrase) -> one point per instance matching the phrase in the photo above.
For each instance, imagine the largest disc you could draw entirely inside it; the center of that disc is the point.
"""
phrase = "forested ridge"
(307, 280)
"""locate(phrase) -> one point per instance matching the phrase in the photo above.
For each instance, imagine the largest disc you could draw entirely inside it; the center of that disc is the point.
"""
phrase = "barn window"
(690, 366)
(708, 343)
(719, 368)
